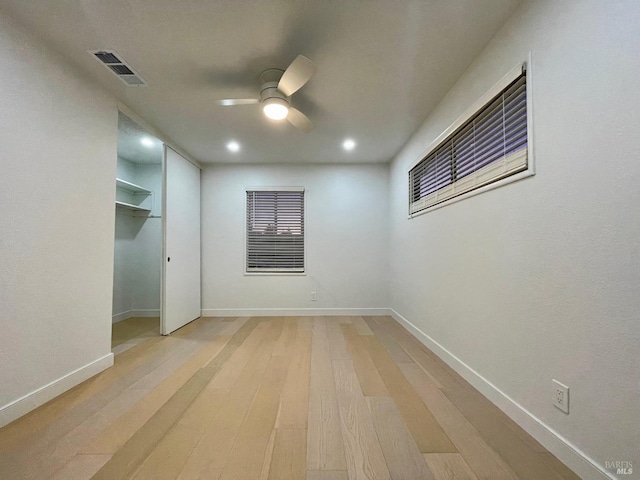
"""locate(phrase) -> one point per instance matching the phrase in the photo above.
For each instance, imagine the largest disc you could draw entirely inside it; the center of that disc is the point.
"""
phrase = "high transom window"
(489, 146)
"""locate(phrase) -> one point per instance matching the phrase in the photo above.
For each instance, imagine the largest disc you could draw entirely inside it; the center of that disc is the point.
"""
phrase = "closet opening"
(137, 273)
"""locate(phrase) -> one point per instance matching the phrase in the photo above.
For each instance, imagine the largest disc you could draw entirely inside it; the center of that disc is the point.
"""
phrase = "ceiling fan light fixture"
(275, 108)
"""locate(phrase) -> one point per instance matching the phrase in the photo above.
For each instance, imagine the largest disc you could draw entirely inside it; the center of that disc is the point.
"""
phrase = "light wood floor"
(323, 398)
(130, 332)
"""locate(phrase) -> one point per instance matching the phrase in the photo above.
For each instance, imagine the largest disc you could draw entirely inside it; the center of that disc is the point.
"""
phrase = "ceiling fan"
(276, 90)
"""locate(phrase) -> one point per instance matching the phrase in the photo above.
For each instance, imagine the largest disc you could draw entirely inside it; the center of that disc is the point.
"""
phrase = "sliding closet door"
(181, 272)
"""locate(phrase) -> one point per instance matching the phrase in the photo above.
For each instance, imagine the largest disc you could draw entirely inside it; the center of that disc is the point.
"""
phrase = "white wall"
(125, 235)
(147, 260)
(126, 170)
(346, 239)
(58, 161)
(539, 279)
(137, 272)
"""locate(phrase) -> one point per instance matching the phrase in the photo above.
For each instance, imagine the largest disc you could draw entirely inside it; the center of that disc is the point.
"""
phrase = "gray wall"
(58, 161)
(346, 239)
(539, 279)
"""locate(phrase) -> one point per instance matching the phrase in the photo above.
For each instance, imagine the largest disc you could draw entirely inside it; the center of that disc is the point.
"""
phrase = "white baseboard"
(150, 312)
(42, 395)
(293, 312)
(118, 317)
(573, 457)
(135, 313)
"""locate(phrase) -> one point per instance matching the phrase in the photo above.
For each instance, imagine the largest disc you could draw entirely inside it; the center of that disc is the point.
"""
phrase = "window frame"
(304, 234)
(495, 90)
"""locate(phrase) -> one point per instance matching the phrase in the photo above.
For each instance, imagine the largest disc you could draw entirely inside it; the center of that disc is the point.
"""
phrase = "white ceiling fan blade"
(299, 120)
(296, 75)
(237, 101)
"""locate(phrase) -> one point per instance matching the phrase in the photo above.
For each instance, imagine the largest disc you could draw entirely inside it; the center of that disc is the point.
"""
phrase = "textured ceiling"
(382, 66)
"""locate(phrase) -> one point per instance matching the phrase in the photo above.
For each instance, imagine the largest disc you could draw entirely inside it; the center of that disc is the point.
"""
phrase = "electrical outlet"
(561, 396)
(313, 296)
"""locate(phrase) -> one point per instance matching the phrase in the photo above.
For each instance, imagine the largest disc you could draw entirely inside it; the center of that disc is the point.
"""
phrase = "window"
(489, 145)
(275, 230)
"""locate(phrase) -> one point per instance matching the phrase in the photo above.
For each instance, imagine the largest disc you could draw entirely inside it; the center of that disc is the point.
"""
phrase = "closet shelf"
(132, 208)
(131, 187)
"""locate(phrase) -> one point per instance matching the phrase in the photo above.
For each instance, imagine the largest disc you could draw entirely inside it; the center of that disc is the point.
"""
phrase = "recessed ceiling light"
(147, 142)
(349, 144)
(233, 146)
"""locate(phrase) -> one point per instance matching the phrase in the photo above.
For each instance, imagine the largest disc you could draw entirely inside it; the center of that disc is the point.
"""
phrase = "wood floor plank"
(289, 458)
(29, 458)
(392, 346)
(81, 467)
(232, 369)
(125, 344)
(483, 460)
(209, 456)
(486, 419)
(246, 458)
(305, 324)
(294, 401)
(361, 326)
(327, 475)
(565, 472)
(61, 452)
(123, 347)
(128, 458)
(284, 345)
(138, 327)
(325, 449)
(167, 459)
(426, 431)
(449, 466)
(266, 464)
(84, 433)
(122, 429)
(56, 414)
(230, 328)
(337, 346)
(368, 375)
(531, 442)
(433, 366)
(182, 354)
(403, 457)
(160, 411)
(363, 453)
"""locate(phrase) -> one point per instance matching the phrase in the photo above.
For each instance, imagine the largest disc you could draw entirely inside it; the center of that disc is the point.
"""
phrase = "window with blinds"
(275, 231)
(489, 146)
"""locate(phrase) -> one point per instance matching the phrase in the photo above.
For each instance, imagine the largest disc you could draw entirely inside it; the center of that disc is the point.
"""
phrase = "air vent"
(105, 57)
(119, 67)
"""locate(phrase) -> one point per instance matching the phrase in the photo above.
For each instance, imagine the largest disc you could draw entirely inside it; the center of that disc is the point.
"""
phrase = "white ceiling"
(382, 66)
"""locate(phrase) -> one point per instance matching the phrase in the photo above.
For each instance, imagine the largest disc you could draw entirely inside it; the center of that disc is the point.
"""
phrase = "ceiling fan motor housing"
(276, 90)
(270, 90)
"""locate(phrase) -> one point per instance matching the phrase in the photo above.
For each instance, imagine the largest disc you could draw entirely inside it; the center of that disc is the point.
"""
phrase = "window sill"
(505, 181)
(276, 274)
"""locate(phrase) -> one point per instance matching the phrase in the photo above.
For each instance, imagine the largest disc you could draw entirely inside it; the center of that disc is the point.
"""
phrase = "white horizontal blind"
(275, 231)
(491, 145)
